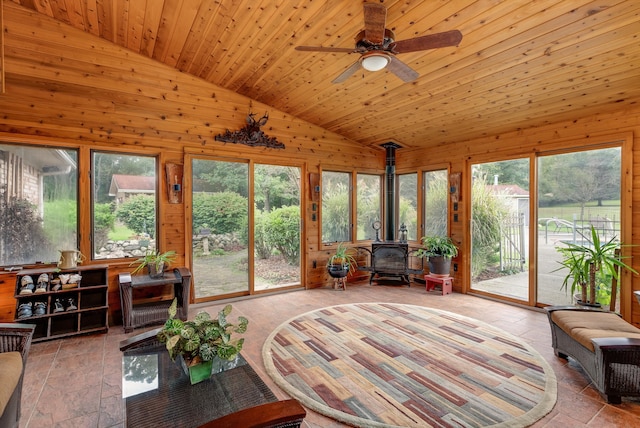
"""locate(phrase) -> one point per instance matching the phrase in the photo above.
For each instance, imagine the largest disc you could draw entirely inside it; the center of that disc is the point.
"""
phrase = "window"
(368, 205)
(436, 207)
(336, 208)
(38, 203)
(124, 204)
(408, 203)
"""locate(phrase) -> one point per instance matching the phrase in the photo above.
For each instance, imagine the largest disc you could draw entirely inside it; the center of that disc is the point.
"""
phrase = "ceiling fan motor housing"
(364, 44)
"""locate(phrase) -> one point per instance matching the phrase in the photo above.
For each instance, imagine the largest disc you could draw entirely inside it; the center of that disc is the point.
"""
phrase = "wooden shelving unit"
(90, 297)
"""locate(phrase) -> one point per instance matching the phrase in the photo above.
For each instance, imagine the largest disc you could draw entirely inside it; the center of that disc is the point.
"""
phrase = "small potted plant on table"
(155, 262)
(438, 250)
(200, 343)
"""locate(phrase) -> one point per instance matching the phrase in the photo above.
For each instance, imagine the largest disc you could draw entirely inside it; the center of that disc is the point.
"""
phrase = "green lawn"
(569, 212)
(121, 233)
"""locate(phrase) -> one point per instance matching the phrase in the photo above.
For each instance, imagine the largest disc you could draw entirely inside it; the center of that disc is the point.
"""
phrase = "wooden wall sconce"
(454, 187)
(174, 182)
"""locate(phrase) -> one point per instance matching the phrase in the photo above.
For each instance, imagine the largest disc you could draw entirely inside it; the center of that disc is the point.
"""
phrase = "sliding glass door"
(277, 221)
(246, 225)
(500, 228)
(220, 225)
(576, 191)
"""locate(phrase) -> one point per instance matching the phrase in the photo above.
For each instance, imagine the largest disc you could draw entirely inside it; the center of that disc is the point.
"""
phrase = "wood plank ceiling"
(520, 64)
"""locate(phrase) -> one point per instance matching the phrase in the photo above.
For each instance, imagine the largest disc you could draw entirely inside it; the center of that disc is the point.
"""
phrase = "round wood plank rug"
(386, 365)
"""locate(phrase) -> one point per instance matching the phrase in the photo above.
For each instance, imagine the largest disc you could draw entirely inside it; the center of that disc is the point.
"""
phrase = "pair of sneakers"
(70, 305)
(27, 286)
(29, 309)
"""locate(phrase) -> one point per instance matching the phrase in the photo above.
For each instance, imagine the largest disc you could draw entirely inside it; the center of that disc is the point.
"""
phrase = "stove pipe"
(390, 191)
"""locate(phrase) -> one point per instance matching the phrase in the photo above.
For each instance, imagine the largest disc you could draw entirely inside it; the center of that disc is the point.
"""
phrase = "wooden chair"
(15, 338)
(278, 414)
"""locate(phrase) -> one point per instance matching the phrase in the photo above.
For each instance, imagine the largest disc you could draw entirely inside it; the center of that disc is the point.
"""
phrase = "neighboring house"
(515, 198)
(124, 186)
(24, 169)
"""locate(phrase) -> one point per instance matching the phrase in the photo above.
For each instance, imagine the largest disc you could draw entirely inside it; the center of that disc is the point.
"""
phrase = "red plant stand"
(445, 282)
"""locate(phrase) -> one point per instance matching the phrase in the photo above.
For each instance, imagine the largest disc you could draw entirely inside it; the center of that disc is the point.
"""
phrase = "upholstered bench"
(606, 346)
(15, 341)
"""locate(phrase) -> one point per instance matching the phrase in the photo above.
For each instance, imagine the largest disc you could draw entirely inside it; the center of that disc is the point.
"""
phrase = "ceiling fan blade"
(375, 18)
(324, 49)
(347, 73)
(431, 41)
(402, 70)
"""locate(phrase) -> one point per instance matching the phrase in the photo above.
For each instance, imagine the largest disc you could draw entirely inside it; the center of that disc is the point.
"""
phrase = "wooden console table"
(138, 315)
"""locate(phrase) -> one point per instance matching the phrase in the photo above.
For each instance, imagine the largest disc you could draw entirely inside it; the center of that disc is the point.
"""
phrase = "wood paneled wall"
(581, 132)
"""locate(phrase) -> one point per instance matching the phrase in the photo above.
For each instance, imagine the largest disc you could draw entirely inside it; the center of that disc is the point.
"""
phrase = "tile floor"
(76, 382)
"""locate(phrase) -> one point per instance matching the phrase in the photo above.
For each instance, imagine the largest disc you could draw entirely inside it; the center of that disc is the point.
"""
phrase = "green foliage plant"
(155, 258)
(222, 212)
(22, 237)
(584, 262)
(283, 232)
(488, 213)
(138, 213)
(343, 256)
(260, 241)
(203, 338)
(437, 246)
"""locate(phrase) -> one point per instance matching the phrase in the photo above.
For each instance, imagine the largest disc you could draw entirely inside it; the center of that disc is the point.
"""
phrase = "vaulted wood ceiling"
(520, 63)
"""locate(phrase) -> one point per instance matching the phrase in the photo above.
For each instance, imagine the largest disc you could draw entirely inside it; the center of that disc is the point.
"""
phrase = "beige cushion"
(584, 326)
(10, 372)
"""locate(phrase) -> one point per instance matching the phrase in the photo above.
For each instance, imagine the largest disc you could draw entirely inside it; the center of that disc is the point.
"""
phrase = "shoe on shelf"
(55, 284)
(43, 283)
(25, 310)
(71, 304)
(58, 306)
(40, 308)
(26, 285)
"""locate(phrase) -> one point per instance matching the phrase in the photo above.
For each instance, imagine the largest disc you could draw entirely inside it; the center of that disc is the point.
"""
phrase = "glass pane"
(124, 205)
(500, 228)
(368, 205)
(336, 209)
(276, 226)
(576, 191)
(408, 204)
(38, 203)
(436, 207)
(220, 217)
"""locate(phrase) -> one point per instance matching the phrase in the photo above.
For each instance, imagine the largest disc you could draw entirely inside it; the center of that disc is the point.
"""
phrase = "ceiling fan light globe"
(375, 62)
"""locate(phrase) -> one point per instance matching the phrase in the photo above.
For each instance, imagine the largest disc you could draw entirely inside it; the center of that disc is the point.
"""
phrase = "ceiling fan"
(378, 47)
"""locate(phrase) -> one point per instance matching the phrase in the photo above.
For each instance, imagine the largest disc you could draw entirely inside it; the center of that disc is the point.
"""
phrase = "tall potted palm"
(585, 261)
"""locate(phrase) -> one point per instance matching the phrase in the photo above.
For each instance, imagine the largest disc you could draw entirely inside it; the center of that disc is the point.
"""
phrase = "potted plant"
(342, 262)
(585, 261)
(438, 250)
(203, 341)
(155, 261)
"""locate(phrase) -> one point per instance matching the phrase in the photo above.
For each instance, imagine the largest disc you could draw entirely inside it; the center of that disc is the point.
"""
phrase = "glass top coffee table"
(157, 393)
